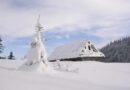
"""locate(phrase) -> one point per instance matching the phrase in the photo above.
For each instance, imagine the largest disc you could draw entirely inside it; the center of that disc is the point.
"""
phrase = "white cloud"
(19, 21)
(59, 37)
(67, 36)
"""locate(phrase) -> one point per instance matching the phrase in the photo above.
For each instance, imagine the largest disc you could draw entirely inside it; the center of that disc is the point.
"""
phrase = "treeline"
(11, 56)
(117, 51)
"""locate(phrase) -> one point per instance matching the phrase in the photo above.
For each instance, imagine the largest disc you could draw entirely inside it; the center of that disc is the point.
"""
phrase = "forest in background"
(117, 51)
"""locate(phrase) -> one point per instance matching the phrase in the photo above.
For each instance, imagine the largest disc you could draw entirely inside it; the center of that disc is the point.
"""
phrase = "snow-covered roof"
(77, 49)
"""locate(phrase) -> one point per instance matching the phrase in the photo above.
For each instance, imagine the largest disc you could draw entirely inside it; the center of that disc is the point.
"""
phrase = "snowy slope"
(90, 76)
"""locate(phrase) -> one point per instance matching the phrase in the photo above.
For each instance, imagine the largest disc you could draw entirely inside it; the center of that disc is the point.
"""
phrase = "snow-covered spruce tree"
(36, 56)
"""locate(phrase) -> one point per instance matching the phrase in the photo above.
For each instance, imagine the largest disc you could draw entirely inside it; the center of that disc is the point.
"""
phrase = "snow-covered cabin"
(77, 51)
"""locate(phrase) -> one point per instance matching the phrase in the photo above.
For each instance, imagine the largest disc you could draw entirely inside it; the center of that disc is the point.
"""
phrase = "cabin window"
(89, 48)
(94, 49)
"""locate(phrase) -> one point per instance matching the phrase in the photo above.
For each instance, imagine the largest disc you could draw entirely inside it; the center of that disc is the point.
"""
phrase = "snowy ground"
(85, 75)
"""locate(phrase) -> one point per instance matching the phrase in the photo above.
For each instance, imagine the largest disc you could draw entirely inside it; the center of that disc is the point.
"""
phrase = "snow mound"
(37, 67)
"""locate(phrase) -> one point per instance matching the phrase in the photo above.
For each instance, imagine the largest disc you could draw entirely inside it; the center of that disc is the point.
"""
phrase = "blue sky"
(64, 21)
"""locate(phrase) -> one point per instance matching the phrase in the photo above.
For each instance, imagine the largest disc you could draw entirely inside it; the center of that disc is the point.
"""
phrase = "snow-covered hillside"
(88, 76)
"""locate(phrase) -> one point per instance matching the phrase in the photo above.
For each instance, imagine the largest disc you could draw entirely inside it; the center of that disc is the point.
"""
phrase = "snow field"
(90, 75)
